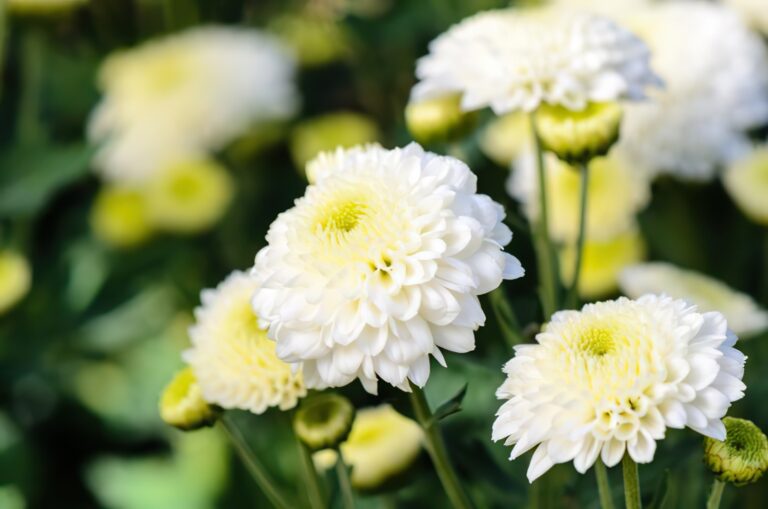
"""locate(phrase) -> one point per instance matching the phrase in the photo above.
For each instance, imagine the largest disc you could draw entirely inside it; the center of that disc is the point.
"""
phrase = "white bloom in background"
(744, 316)
(753, 12)
(187, 94)
(613, 377)
(232, 358)
(716, 88)
(517, 59)
(379, 266)
(746, 181)
(618, 190)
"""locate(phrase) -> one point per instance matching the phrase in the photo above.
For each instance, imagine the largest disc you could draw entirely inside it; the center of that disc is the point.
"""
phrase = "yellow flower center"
(343, 216)
(596, 342)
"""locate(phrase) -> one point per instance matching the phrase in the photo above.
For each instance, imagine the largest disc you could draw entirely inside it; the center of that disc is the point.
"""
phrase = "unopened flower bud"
(182, 404)
(578, 136)
(743, 456)
(438, 119)
(324, 421)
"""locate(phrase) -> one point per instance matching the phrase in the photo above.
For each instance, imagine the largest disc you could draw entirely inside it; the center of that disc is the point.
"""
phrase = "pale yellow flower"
(182, 404)
(747, 182)
(119, 217)
(381, 445)
(506, 138)
(15, 279)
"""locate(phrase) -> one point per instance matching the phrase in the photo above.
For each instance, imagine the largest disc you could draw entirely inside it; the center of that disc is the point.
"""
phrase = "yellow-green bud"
(324, 421)
(743, 456)
(578, 136)
(439, 119)
(182, 404)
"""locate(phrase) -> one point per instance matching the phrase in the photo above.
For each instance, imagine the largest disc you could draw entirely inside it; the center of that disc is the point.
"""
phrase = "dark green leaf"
(451, 406)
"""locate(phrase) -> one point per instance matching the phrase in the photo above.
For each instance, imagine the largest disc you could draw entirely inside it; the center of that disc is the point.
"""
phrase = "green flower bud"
(324, 421)
(182, 404)
(743, 456)
(439, 119)
(578, 136)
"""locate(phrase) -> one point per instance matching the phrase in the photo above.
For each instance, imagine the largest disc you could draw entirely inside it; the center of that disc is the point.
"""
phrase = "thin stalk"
(3, 38)
(603, 486)
(29, 127)
(505, 316)
(545, 252)
(345, 485)
(631, 483)
(713, 502)
(437, 451)
(311, 480)
(256, 469)
(572, 298)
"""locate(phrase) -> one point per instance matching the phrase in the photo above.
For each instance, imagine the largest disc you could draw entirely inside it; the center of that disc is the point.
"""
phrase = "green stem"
(437, 451)
(713, 502)
(256, 469)
(29, 127)
(572, 299)
(345, 485)
(311, 480)
(603, 486)
(545, 253)
(631, 483)
(505, 316)
(3, 38)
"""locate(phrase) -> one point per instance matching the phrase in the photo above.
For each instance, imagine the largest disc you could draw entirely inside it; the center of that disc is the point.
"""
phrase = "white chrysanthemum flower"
(233, 360)
(187, 94)
(746, 181)
(744, 316)
(613, 377)
(618, 189)
(379, 266)
(515, 59)
(753, 12)
(716, 88)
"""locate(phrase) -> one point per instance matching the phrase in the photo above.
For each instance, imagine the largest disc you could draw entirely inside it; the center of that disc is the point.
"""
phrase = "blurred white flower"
(754, 13)
(187, 94)
(618, 189)
(746, 180)
(232, 358)
(716, 88)
(379, 266)
(613, 377)
(744, 316)
(517, 59)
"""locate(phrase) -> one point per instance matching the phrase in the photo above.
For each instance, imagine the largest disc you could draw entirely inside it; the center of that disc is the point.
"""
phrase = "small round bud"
(15, 279)
(324, 421)
(439, 119)
(182, 404)
(743, 456)
(578, 136)
(119, 217)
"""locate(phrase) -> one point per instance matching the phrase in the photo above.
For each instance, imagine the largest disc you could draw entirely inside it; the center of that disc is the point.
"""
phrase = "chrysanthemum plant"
(379, 266)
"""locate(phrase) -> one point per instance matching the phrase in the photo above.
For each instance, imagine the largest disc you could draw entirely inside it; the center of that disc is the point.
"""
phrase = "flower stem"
(29, 127)
(345, 485)
(713, 502)
(572, 299)
(545, 253)
(436, 448)
(311, 480)
(603, 486)
(505, 316)
(256, 469)
(631, 483)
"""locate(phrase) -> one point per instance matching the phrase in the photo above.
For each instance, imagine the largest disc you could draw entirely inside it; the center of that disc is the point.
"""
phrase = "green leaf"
(660, 496)
(451, 406)
(29, 177)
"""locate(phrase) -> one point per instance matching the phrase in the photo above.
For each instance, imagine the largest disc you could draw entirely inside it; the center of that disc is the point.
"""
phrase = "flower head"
(618, 189)
(753, 12)
(746, 180)
(15, 279)
(232, 358)
(324, 420)
(330, 131)
(602, 262)
(381, 445)
(182, 404)
(516, 59)
(438, 119)
(119, 217)
(742, 457)
(507, 138)
(186, 94)
(379, 266)
(613, 377)
(716, 88)
(744, 316)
